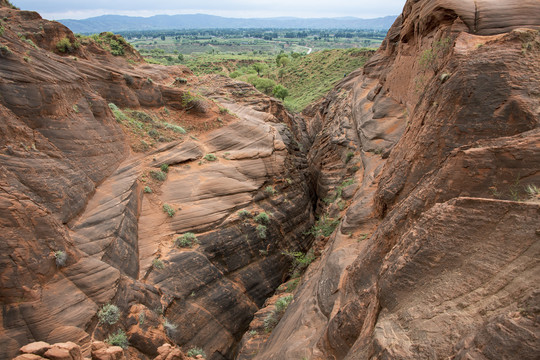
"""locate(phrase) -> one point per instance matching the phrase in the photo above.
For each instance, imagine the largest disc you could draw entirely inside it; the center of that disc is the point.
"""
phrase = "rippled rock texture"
(436, 254)
(86, 221)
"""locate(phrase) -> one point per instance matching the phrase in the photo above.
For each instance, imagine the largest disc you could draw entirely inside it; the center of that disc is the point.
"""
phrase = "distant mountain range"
(118, 23)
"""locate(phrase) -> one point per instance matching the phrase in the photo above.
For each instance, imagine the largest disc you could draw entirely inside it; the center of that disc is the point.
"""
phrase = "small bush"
(65, 46)
(158, 175)
(118, 114)
(170, 328)
(5, 51)
(348, 157)
(210, 157)
(129, 79)
(158, 264)
(325, 226)
(164, 168)
(261, 231)
(243, 214)
(175, 128)
(262, 218)
(187, 240)
(60, 258)
(76, 108)
(270, 190)
(169, 210)
(273, 318)
(109, 314)
(193, 352)
(147, 190)
(118, 339)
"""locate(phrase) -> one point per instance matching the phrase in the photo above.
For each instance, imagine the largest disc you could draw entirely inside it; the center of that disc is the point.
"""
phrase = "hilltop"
(119, 23)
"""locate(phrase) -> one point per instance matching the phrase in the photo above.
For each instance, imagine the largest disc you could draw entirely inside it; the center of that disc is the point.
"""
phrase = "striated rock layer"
(86, 221)
(436, 255)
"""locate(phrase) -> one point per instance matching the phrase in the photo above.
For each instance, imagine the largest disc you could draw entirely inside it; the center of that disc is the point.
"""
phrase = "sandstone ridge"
(142, 202)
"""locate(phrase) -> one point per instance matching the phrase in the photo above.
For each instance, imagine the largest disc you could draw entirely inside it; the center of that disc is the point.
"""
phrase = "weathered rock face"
(86, 222)
(436, 255)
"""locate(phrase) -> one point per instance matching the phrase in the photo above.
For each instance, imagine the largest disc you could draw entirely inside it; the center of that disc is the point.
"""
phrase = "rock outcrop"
(97, 209)
(155, 210)
(436, 255)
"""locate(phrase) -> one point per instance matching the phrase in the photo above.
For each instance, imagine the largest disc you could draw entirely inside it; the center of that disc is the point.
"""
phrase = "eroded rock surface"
(436, 255)
(86, 221)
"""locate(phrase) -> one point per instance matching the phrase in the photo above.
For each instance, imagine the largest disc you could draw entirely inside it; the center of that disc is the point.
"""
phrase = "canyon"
(406, 199)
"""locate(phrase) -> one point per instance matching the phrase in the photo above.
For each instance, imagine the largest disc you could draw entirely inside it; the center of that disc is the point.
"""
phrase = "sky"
(82, 9)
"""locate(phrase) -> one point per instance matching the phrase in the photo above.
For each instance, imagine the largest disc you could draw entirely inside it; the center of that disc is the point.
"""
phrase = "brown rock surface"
(421, 160)
(434, 256)
(71, 183)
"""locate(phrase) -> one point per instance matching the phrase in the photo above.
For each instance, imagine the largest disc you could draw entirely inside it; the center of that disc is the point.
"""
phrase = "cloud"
(56, 9)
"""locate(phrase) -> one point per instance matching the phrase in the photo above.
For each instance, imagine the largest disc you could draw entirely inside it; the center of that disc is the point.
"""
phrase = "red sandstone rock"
(36, 348)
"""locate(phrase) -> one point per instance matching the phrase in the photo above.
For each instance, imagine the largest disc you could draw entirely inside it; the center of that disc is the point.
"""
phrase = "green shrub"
(164, 168)
(158, 264)
(193, 352)
(65, 45)
(270, 190)
(348, 157)
(273, 317)
(109, 314)
(118, 339)
(169, 210)
(175, 128)
(325, 226)
(186, 240)
(170, 328)
(118, 114)
(60, 258)
(262, 218)
(300, 260)
(5, 51)
(210, 157)
(261, 231)
(158, 175)
(147, 190)
(243, 214)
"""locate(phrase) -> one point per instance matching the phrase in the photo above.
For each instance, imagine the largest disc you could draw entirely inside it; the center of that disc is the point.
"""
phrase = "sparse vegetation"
(5, 51)
(147, 190)
(164, 168)
(142, 318)
(272, 319)
(75, 108)
(194, 351)
(169, 210)
(349, 157)
(532, 190)
(170, 328)
(118, 339)
(109, 314)
(300, 261)
(157, 264)
(325, 226)
(270, 190)
(60, 257)
(210, 157)
(66, 46)
(261, 231)
(243, 214)
(158, 175)
(262, 218)
(187, 240)
(175, 128)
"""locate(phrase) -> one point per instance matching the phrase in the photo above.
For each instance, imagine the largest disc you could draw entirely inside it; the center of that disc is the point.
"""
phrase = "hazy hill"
(201, 21)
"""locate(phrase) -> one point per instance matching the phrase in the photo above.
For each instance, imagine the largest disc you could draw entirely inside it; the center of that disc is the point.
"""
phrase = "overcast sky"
(81, 9)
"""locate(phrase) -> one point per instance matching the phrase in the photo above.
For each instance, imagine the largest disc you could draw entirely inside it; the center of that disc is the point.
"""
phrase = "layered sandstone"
(436, 255)
(74, 189)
